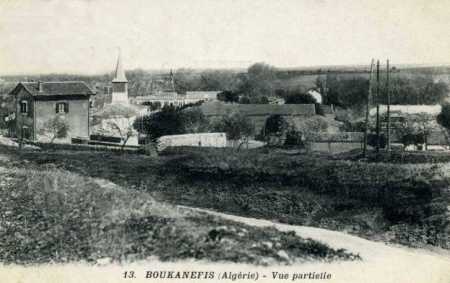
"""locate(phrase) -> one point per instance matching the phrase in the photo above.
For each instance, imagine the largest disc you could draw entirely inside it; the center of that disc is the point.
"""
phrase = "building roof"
(409, 109)
(119, 74)
(221, 109)
(52, 89)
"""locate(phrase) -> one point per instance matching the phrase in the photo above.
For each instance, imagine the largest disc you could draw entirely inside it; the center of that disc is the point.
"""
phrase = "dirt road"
(381, 264)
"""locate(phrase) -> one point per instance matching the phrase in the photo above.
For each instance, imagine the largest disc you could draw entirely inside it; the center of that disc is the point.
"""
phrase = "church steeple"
(119, 84)
(119, 75)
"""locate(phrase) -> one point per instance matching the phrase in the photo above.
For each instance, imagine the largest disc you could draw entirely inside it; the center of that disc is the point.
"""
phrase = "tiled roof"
(221, 109)
(68, 88)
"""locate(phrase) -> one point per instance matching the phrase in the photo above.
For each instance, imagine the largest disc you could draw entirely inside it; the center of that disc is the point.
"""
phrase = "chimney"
(40, 86)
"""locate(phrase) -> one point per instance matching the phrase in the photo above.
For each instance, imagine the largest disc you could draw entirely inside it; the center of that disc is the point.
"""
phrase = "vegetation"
(54, 215)
(229, 96)
(236, 126)
(314, 190)
(444, 117)
(297, 97)
(55, 128)
(119, 121)
(405, 195)
(275, 129)
(171, 120)
(416, 128)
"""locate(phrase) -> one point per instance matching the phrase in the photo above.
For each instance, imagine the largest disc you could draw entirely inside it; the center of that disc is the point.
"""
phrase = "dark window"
(62, 107)
(24, 106)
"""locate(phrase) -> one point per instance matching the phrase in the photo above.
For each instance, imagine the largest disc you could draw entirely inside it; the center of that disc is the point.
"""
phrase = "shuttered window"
(24, 106)
(62, 107)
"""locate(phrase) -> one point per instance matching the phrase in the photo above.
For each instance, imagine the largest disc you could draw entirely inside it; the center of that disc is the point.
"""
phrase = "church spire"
(119, 76)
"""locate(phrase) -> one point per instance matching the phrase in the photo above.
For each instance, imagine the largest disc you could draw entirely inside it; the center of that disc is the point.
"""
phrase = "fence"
(86, 145)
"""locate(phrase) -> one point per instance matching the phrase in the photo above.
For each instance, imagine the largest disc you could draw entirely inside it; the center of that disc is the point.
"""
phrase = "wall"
(24, 120)
(206, 139)
(334, 147)
(77, 117)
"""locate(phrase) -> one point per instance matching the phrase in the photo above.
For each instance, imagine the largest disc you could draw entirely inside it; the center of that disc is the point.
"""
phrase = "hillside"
(51, 215)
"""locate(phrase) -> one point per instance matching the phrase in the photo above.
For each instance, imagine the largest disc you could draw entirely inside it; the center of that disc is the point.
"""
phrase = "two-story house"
(38, 102)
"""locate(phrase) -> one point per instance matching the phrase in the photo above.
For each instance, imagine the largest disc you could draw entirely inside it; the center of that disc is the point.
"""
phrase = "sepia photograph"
(224, 141)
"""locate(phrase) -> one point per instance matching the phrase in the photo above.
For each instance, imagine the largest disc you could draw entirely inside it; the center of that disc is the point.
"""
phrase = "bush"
(294, 138)
(373, 141)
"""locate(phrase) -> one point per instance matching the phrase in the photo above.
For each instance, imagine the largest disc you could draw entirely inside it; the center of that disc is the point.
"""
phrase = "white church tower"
(119, 84)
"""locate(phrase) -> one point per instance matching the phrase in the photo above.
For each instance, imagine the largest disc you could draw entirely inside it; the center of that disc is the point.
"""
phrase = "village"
(72, 112)
(149, 141)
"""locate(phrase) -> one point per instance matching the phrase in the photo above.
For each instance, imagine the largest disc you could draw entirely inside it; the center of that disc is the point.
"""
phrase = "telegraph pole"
(369, 94)
(388, 130)
(378, 107)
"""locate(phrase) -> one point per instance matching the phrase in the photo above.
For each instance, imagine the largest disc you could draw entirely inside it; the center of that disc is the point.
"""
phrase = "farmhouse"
(39, 102)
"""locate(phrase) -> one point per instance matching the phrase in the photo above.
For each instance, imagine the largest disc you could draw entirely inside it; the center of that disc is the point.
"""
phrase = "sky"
(83, 36)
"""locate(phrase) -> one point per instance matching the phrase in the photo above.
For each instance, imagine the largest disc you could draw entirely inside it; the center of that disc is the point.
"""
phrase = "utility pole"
(369, 95)
(378, 107)
(388, 110)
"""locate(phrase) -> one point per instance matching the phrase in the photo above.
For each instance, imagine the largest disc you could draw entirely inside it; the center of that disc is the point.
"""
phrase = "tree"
(153, 105)
(194, 121)
(275, 128)
(416, 128)
(172, 121)
(259, 81)
(168, 121)
(228, 96)
(236, 126)
(444, 117)
(299, 98)
(312, 126)
(244, 100)
(118, 120)
(55, 128)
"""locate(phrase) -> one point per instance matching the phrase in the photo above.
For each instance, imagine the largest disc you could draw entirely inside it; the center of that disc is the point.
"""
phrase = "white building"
(176, 99)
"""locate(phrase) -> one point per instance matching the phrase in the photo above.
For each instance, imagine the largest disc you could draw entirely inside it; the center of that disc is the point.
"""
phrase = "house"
(38, 102)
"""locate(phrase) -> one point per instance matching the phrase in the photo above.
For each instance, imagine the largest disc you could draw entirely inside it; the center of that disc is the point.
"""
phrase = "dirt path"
(381, 264)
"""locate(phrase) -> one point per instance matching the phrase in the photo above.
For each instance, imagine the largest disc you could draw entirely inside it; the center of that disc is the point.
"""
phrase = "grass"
(54, 215)
(314, 190)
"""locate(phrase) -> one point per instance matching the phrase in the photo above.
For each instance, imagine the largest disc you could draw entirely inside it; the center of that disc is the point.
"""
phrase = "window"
(62, 107)
(24, 106)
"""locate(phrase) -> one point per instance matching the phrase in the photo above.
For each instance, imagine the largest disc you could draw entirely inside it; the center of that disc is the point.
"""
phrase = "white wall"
(201, 139)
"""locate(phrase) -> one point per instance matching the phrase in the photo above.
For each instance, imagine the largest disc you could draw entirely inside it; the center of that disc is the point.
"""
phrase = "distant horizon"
(295, 68)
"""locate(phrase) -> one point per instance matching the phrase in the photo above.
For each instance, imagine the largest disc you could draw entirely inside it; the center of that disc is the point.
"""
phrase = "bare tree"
(55, 128)
(118, 120)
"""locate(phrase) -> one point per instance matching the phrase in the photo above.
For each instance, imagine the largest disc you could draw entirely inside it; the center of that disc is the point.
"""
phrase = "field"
(52, 215)
(403, 203)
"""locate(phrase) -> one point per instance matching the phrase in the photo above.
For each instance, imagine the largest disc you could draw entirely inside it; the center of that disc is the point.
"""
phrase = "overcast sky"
(82, 36)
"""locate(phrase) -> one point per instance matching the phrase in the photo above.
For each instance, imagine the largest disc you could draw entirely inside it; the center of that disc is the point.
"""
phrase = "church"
(119, 93)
